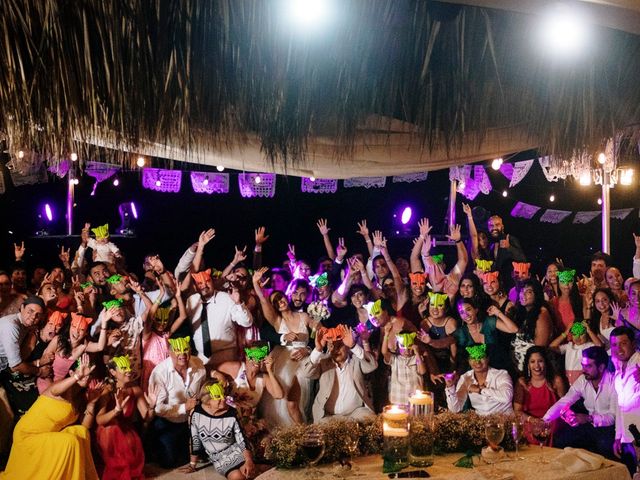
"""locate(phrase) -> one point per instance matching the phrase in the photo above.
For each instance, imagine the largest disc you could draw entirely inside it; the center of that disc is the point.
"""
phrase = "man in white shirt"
(627, 385)
(342, 392)
(178, 379)
(595, 430)
(215, 339)
(488, 389)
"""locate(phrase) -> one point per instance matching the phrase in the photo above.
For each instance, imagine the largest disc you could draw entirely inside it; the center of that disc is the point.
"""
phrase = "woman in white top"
(294, 330)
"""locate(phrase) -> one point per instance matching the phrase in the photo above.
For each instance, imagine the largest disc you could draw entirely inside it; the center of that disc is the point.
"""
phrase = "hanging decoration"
(257, 184)
(585, 217)
(621, 214)
(520, 170)
(482, 179)
(319, 185)
(471, 180)
(410, 177)
(524, 210)
(161, 180)
(554, 216)
(210, 182)
(27, 168)
(366, 182)
(61, 168)
(101, 171)
(506, 169)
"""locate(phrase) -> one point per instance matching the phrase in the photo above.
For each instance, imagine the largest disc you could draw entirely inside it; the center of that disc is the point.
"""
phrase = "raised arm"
(98, 346)
(324, 231)
(61, 386)
(381, 242)
(260, 238)
(473, 231)
(463, 257)
(269, 312)
(182, 313)
(239, 256)
(271, 382)
(364, 231)
(205, 237)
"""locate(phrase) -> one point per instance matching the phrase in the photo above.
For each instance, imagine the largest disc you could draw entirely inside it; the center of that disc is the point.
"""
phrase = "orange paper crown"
(419, 279)
(57, 318)
(489, 277)
(80, 321)
(336, 333)
(203, 276)
(521, 268)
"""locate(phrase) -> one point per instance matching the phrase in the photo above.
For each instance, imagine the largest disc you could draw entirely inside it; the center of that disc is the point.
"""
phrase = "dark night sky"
(169, 223)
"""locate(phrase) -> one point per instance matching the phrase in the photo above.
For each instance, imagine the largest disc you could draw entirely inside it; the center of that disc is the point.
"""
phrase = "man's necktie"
(206, 337)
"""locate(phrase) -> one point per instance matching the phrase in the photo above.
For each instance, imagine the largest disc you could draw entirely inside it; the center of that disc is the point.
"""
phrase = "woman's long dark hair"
(594, 323)
(479, 297)
(64, 340)
(576, 301)
(527, 319)
(549, 373)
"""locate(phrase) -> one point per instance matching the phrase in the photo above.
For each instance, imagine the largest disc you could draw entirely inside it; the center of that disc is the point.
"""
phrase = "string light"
(158, 183)
(140, 162)
(20, 154)
(552, 198)
(74, 157)
(258, 179)
(220, 168)
(496, 163)
(504, 193)
(313, 179)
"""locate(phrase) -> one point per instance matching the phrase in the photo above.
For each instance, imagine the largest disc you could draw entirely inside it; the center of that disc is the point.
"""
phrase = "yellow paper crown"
(437, 299)
(216, 391)
(376, 308)
(163, 313)
(122, 363)
(101, 231)
(484, 265)
(180, 345)
(406, 339)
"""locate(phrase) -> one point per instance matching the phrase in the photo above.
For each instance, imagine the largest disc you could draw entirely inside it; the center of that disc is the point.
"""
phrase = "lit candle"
(421, 398)
(395, 413)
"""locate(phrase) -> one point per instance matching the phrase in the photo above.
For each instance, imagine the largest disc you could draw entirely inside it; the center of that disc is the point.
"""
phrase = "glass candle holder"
(395, 435)
(421, 437)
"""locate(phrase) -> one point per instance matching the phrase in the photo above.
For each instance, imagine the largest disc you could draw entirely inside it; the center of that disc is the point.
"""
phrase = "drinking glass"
(494, 434)
(541, 431)
(517, 430)
(313, 448)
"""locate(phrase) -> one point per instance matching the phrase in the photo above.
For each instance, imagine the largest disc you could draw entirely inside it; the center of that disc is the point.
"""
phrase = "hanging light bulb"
(74, 157)
(602, 158)
(504, 193)
(20, 154)
(140, 161)
(220, 168)
(552, 198)
(258, 179)
(496, 163)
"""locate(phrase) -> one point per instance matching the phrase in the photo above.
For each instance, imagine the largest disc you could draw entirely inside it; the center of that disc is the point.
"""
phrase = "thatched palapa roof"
(386, 86)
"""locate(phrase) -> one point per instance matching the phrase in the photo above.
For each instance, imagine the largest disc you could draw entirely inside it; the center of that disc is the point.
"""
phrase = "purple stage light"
(406, 215)
(48, 212)
(134, 210)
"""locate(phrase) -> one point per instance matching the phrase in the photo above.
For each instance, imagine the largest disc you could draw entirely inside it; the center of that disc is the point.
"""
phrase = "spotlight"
(496, 163)
(128, 216)
(504, 193)
(552, 198)
(220, 168)
(158, 183)
(585, 178)
(116, 182)
(602, 158)
(257, 179)
(74, 157)
(599, 201)
(564, 30)
(48, 213)
(140, 162)
(307, 13)
(406, 215)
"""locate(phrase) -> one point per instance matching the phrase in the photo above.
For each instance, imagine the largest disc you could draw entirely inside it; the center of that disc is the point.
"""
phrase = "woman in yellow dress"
(48, 442)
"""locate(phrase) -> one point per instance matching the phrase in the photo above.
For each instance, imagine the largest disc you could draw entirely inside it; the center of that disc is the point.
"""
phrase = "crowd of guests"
(103, 370)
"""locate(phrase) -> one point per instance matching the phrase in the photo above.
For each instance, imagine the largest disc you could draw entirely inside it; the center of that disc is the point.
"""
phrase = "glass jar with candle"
(395, 435)
(421, 429)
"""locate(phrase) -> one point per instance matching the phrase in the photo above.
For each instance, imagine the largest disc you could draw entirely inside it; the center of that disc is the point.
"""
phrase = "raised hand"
(85, 368)
(84, 234)
(349, 339)
(455, 234)
(362, 229)
(240, 255)
(424, 337)
(341, 250)
(616, 309)
(379, 240)
(493, 310)
(64, 256)
(205, 237)
(291, 253)
(152, 396)
(260, 236)
(467, 210)
(121, 400)
(19, 250)
(156, 264)
(357, 265)
(504, 243)
(322, 226)
(423, 225)
(268, 363)
(320, 340)
(257, 276)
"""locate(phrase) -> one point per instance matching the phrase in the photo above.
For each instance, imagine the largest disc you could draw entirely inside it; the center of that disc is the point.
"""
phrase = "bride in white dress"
(294, 329)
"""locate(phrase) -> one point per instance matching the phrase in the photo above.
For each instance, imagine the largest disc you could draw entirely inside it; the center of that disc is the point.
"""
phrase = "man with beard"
(342, 392)
(178, 380)
(599, 264)
(505, 249)
(594, 430)
(627, 384)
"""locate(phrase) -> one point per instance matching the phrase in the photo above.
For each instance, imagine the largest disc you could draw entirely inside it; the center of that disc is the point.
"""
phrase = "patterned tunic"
(405, 379)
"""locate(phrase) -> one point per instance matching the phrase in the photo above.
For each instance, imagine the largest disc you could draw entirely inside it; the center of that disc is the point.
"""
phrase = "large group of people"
(103, 369)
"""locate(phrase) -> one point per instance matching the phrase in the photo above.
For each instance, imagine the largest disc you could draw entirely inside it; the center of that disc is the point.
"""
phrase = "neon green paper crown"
(376, 308)
(477, 352)
(216, 391)
(438, 258)
(437, 299)
(86, 285)
(117, 303)
(122, 363)
(180, 345)
(406, 339)
(114, 279)
(484, 265)
(257, 354)
(578, 329)
(566, 276)
(101, 231)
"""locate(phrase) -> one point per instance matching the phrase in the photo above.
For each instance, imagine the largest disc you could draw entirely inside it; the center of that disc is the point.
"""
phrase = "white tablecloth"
(370, 468)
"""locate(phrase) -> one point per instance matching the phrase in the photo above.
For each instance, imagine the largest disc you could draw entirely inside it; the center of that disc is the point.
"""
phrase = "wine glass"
(517, 430)
(313, 448)
(541, 431)
(494, 433)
